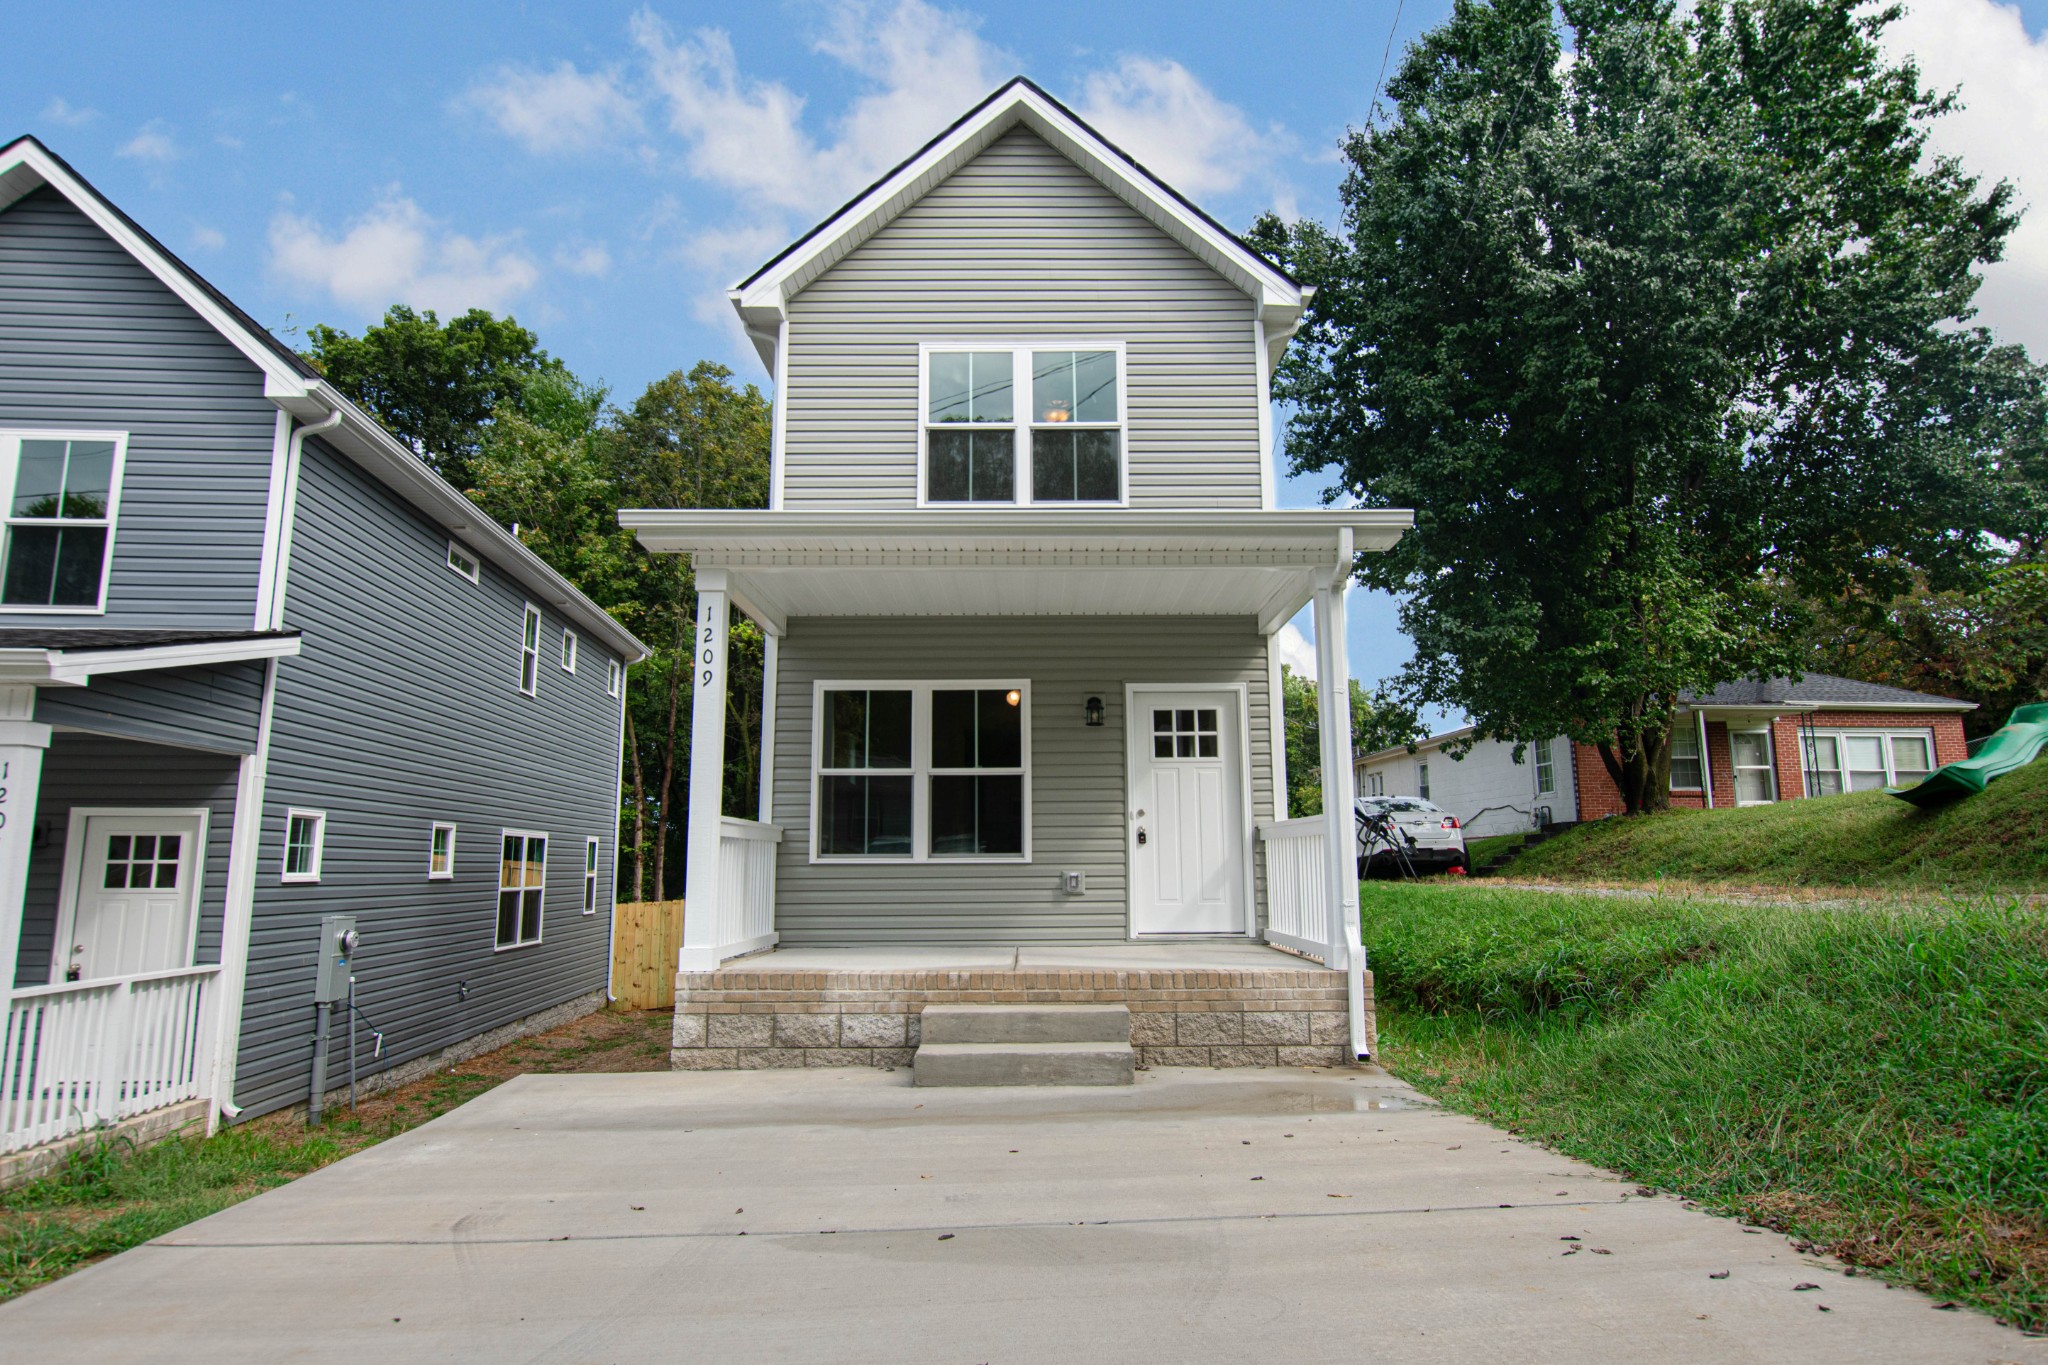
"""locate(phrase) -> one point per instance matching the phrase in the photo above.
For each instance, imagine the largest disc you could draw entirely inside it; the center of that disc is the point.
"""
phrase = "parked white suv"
(1426, 832)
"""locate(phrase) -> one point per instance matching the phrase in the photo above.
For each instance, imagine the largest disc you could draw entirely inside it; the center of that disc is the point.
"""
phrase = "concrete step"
(1082, 1063)
(1025, 1024)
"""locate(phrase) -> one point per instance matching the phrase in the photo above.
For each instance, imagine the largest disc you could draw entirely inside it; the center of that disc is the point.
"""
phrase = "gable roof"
(293, 384)
(761, 297)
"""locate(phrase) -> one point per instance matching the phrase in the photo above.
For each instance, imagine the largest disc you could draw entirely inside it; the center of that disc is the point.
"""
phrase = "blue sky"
(603, 170)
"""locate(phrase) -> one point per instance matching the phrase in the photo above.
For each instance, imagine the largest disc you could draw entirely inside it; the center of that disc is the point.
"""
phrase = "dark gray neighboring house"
(259, 665)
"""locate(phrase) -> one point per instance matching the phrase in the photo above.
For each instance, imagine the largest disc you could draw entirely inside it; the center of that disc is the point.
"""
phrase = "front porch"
(1192, 1004)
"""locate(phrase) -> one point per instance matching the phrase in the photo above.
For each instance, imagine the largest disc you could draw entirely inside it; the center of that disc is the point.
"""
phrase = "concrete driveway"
(844, 1216)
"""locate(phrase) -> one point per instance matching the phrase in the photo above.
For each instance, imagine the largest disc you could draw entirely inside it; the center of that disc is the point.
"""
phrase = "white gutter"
(294, 454)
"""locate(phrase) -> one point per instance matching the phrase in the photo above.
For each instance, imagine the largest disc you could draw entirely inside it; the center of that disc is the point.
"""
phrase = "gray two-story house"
(260, 665)
(1020, 579)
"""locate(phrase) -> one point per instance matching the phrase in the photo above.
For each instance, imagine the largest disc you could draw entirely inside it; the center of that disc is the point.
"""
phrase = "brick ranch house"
(1763, 741)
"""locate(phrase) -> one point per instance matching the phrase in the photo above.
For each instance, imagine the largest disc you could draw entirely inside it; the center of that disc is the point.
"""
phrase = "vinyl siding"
(404, 709)
(1019, 243)
(217, 707)
(91, 340)
(92, 770)
(1078, 771)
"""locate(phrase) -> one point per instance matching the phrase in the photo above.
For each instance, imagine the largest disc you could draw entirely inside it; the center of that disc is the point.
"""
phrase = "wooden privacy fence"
(646, 937)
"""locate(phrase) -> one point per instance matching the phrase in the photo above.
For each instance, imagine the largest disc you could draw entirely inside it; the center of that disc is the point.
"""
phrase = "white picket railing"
(746, 886)
(1297, 885)
(88, 1053)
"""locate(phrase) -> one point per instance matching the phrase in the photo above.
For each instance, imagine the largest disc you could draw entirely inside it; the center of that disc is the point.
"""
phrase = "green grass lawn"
(1873, 1081)
(113, 1196)
(1477, 851)
(1994, 841)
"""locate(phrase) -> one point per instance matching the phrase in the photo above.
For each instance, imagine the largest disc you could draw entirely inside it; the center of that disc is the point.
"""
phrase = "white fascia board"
(24, 167)
(1938, 704)
(677, 530)
(364, 440)
(760, 300)
(77, 667)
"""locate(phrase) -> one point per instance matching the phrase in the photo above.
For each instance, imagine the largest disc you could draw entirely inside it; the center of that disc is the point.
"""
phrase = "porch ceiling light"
(1095, 710)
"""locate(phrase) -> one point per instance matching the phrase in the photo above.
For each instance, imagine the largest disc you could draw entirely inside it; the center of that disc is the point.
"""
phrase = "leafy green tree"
(1986, 644)
(1636, 335)
(436, 386)
(1373, 726)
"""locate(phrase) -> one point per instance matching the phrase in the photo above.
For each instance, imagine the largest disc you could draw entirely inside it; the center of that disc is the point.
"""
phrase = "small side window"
(568, 651)
(611, 677)
(441, 854)
(590, 876)
(529, 651)
(305, 832)
(464, 563)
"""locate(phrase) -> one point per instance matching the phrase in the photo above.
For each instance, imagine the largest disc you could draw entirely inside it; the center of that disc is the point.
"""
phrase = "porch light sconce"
(1095, 710)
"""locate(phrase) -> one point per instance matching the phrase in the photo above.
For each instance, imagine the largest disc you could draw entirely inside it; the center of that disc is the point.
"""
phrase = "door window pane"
(971, 466)
(1187, 733)
(971, 386)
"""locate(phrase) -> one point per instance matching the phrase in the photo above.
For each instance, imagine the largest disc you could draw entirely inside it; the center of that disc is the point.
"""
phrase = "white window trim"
(611, 677)
(1545, 755)
(319, 819)
(499, 888)
(529, 616)
(569, 646)
(10, 464)
(1841, 735)
(1735, 770)
(1422, 779)
(1683, 727)
(593, 862)
(920, 770)
(432, 835)
(1019, 427)
(457, 550)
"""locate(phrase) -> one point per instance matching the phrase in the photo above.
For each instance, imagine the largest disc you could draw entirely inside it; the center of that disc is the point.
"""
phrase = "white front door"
(135, 896)
(1187, 813)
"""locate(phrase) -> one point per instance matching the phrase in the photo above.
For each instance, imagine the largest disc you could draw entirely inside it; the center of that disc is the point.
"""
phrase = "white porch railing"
(1297, 885)
(746, 886)
(88, 1053)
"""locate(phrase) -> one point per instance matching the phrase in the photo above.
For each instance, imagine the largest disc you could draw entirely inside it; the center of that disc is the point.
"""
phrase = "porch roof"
(66, 656)
(1010, 561)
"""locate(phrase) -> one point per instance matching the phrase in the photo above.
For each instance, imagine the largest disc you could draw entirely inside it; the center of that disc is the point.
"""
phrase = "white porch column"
(707, 774)
(770, 646)
(1333, 707)
(22, 742)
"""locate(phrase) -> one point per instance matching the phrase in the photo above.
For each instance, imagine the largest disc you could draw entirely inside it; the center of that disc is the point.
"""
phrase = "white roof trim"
(762, 297)
(77, 667)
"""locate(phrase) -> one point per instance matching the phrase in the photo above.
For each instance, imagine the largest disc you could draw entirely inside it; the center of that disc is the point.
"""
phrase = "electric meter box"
(338, 940)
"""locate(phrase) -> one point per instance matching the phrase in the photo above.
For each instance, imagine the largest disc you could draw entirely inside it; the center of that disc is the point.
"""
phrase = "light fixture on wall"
(1014, 696)
(1095, 710)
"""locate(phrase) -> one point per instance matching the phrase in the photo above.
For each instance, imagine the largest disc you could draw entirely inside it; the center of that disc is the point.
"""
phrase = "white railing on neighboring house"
(84, 1054)
(746, 886)
(1297, 885)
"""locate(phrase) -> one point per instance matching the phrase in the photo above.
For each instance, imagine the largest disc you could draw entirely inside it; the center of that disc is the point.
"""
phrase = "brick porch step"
(1025, 1045)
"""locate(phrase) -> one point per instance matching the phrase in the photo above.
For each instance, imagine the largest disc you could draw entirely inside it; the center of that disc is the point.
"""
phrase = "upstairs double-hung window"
(1023, 424)
(61, 489)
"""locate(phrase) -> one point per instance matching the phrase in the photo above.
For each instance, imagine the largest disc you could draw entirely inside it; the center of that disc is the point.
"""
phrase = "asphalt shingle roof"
(1818, 689)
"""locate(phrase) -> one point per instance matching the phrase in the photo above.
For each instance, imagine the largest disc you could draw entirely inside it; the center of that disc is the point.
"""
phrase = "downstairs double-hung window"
(921, 772)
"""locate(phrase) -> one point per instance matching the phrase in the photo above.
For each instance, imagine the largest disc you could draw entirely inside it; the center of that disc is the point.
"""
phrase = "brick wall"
(1721, 759)
(744, 1019)
(1785, 757)
(1598, 796)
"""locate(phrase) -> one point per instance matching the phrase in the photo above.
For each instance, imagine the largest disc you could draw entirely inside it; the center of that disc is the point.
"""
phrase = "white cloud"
(1985, 48)
(1297, 653)
(208, 238)
(152, 142)
(925, 65)
(591, 261)
(1156, 110)
(61, 111)
(395, 253)
(561, 110)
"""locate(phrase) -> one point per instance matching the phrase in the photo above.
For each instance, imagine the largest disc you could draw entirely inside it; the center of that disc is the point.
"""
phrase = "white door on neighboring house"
(1187, 813)
(1756, 781)
(132, 895)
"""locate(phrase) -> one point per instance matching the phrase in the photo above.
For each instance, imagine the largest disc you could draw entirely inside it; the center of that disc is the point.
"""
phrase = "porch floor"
(1236, 955)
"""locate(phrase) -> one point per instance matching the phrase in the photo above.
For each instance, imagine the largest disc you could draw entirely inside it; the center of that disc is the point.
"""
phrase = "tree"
(1988, 645)
(1644, 338)
(435, 386)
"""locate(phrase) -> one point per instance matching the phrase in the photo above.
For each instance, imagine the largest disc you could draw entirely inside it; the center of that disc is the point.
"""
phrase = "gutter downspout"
(291, 510)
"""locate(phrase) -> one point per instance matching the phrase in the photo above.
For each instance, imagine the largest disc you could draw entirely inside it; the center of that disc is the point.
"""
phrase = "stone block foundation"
(753, 1015)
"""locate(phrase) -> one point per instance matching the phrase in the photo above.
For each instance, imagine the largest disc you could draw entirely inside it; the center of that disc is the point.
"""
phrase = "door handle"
(1141, 836)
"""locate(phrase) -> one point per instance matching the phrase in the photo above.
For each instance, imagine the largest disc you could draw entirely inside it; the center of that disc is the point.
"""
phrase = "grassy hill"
(1994, 841)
